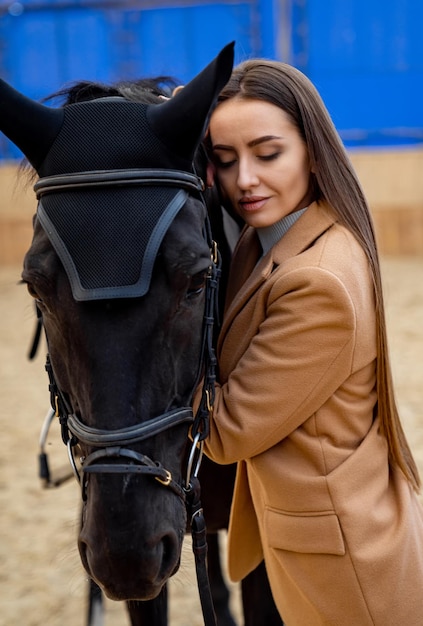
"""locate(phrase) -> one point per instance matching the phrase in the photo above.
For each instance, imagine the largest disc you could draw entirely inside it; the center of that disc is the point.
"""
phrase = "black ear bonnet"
(113, 175)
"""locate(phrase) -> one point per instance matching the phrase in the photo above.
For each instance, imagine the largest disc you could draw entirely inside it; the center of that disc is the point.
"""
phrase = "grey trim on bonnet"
(138, 289)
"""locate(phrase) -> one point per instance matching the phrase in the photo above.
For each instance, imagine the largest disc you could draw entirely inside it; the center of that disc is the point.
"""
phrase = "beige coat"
(341, 535)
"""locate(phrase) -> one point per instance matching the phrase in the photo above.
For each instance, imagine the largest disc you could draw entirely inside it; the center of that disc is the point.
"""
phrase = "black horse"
(118, 266)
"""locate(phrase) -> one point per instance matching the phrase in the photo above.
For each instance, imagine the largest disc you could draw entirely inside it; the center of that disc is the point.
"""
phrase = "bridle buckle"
(166, 481)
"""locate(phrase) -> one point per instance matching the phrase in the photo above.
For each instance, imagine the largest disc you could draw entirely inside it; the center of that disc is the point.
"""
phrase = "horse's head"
(118, 267)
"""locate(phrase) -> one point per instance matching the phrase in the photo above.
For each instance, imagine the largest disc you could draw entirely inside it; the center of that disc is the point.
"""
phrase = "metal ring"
(46, 427)
(195, 444)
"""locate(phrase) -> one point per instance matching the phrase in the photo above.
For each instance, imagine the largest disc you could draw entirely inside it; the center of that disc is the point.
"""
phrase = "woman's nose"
(247, 176)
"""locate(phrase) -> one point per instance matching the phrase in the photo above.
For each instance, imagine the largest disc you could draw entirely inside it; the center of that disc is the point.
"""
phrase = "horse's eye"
(197, 284)
(33, 292)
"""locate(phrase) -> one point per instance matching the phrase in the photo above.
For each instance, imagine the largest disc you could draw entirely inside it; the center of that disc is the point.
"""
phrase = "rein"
(112, 444)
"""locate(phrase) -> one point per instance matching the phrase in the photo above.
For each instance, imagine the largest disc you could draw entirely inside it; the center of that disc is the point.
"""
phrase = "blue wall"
(366, 59)
(47, 42)
(365, 56)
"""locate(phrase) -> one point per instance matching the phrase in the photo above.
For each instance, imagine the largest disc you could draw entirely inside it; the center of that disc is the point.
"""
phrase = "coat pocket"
(308, 533)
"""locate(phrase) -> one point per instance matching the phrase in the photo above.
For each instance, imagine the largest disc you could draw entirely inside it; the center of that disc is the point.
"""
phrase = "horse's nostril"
(170, 554)
(83, 551)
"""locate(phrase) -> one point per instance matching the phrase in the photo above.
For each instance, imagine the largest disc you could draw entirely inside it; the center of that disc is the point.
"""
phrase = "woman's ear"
(211, 171)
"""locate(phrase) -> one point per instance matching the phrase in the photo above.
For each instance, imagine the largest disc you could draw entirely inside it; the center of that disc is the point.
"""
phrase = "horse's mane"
(145, 90)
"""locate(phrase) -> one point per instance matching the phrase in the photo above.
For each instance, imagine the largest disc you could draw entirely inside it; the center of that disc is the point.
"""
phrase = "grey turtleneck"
(269, 235)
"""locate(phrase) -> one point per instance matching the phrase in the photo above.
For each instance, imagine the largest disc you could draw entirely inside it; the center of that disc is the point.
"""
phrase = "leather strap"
(131, 434)
(149, 177)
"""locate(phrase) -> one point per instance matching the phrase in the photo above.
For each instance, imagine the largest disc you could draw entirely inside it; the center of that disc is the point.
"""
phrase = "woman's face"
(261, 161)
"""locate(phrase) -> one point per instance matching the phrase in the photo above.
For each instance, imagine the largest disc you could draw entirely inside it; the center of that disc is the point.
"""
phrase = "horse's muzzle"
(131, 569)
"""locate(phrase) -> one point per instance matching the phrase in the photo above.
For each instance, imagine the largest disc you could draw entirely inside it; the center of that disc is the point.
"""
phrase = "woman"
(326, 483)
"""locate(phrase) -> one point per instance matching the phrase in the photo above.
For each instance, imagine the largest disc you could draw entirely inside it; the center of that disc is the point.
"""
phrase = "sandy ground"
(42, 581)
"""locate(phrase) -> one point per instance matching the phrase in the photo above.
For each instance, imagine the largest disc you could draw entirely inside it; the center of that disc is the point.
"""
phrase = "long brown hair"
(334, 180)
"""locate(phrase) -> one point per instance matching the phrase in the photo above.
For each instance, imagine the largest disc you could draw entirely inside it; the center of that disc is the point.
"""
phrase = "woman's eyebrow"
(259, 140)
(250, 144)
(222, 147)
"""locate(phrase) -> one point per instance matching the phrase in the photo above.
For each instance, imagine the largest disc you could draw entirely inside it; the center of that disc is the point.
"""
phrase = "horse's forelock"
(145, 90)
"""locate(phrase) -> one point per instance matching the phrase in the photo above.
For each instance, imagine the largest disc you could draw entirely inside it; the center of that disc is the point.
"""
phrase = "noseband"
(112, 444)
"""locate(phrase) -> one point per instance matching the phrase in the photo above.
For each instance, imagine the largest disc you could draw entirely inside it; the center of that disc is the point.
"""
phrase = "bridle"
(115, 444)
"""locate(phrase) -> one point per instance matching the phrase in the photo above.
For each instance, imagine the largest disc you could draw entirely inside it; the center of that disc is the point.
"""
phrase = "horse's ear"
(180, 122)
(31, 126)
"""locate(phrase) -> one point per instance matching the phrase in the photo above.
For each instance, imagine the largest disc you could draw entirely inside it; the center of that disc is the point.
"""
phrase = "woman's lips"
(253, 203)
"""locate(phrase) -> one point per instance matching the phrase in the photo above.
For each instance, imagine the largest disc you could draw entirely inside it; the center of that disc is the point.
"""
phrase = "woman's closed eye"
(269, 157)
(223, 164)
(227, 163)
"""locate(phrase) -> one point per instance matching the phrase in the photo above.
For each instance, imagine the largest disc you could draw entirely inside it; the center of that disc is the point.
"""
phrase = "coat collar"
(248, 271)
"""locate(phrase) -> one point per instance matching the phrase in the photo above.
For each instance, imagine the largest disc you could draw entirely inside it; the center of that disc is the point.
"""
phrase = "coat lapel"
(248, 273)
(311, 225)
